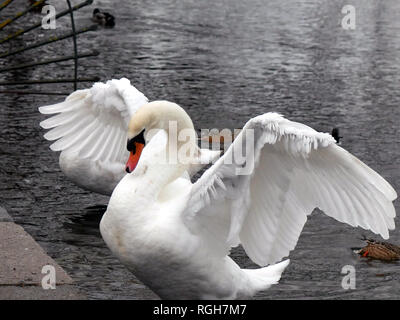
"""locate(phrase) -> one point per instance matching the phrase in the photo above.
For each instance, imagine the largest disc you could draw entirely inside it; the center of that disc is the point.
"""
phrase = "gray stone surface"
(21, 263)
(63, 292)
(22, 259)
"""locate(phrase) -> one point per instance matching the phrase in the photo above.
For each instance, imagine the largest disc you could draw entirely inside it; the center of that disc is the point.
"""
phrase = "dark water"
(224, 62)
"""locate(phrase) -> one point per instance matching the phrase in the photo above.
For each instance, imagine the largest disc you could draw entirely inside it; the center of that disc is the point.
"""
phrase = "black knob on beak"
(139, 139)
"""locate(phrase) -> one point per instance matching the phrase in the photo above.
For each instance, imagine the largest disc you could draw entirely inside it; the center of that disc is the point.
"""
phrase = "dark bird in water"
(380, 250)
(103, 18)
(335, 135)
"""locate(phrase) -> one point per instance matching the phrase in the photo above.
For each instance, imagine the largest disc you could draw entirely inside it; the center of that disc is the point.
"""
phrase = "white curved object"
(175, 236)
(90, 129)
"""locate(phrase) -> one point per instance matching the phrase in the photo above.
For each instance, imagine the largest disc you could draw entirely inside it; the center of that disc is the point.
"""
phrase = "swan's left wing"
(264, 201)
(90, 127)
(94, 121)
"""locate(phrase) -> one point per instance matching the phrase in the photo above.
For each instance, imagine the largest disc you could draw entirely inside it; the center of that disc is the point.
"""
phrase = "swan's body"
(175, 235)
(152, 240)
(145, 229)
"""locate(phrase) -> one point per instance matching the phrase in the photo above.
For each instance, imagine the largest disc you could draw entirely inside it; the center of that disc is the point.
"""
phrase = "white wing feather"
(294, 170)
(88, 115)
(90, 127)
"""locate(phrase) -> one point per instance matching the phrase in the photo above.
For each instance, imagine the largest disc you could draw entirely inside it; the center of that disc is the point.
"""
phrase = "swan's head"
(148, 119)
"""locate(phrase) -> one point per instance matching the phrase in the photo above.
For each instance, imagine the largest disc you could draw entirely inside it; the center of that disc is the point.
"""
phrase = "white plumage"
(175, 235)
(296, 169)
(91, 132)
(90, 129)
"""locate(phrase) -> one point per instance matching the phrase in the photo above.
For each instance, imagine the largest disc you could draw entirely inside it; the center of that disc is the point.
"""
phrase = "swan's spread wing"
(93, 123)
(294, 170)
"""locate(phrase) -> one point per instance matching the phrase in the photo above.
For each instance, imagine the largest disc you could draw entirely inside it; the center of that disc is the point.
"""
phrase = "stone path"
(21, 263)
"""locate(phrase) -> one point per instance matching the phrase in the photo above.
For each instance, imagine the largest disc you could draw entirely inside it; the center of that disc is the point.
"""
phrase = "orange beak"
(134, 157)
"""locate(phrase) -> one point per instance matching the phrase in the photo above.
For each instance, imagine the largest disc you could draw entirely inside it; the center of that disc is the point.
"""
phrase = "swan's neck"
(169, 155)
(161, 164)
(171, 143)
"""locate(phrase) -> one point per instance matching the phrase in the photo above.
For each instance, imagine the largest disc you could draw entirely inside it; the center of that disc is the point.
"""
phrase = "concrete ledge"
(63, 292)
(21, 263)
(4, 216)
(23, 259)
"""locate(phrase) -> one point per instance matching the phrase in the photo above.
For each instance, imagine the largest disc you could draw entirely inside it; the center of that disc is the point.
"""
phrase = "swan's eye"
(138, 139)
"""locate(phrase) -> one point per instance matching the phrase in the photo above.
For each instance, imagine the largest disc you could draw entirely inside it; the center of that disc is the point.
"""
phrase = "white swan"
(90, 127)
(175, 236)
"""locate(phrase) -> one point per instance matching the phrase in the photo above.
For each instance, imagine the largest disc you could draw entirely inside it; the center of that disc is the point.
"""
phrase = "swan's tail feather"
(263, 278)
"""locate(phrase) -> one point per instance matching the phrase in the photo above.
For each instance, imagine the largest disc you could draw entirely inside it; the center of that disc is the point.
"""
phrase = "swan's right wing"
(92, 125)
(292, 170)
